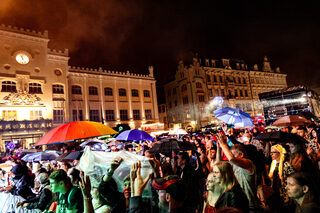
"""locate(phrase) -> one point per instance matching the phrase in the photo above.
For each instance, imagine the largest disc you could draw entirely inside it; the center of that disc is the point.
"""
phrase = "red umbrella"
(291, 120)
(75, 130)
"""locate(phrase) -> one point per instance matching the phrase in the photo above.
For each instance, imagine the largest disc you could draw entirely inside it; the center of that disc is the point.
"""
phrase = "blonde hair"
(228, 179)
(282, 152)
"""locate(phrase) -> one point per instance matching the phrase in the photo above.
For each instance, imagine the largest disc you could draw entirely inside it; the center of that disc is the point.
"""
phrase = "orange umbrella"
(291, 120)
(75, 130)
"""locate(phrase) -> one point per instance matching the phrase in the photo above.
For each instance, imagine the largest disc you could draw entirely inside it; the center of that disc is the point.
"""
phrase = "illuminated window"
(210, 93)
(9, 115)
(222, 93)
(146, 93)
(36, 115)
(244, 80)
(93, 91)
(57, 89)
(76, 90)
(108, 91)
(201, 98)
(109, 115)
(249, 107)
(35, 88)
(58, 116)
(148, 114)
(77, 115)
(208, 78)
(198, 85)
(185, 100)
(136, 114)
(8, 86)
(122, 92)
(123, 115)
(135, 93)
(94, 115)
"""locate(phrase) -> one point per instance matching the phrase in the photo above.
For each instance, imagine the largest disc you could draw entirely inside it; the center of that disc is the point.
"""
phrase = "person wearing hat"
(22, 182)
(45, 197)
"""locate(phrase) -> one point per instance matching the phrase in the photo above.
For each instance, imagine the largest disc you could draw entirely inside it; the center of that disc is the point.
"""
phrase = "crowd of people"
(227, 171)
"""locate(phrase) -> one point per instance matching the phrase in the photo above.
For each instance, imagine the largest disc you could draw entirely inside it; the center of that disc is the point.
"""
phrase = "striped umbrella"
(75, 130)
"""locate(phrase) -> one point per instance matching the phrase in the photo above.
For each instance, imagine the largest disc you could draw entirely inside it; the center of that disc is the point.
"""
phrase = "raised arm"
(85, 186)
(114, 165)
(239, 161)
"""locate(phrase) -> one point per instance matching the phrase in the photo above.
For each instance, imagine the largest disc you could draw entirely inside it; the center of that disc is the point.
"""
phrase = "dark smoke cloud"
(133, 34)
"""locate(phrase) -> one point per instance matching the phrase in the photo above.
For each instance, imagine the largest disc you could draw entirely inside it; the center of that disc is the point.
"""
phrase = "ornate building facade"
(191, 97)
(39, 90)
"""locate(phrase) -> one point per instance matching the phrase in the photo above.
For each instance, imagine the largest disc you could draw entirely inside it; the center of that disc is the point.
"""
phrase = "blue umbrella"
(39, 156)
(95, 145)
(234, 116)
(134, 135)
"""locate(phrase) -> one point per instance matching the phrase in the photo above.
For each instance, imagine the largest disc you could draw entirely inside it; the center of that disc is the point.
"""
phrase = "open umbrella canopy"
(39, 156)
(75, 130)
(76, 155)
(291, 120)
(114, 143)
(61, 157)
(235, 117)
(95, 145)
(54, 152)
(171, 145)
(134, 135)
(280, 137)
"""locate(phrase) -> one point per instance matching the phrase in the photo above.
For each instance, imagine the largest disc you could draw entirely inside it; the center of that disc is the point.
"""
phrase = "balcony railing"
(26, 125)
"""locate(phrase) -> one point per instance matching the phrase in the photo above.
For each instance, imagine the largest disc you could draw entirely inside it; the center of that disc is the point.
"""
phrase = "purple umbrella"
(134, 135)
(39, 156)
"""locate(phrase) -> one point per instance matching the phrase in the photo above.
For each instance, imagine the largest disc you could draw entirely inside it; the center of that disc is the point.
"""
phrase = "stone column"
(141, 100)
(155, 102)
(116, 96)
(101, 100)
(129, 100)
(85, 89)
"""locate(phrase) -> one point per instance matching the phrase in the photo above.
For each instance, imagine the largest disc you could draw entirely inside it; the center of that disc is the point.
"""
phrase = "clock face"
(22, 58)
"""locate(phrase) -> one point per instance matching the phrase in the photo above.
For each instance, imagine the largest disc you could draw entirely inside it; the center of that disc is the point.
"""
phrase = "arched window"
(184, 87)
(135, 93)
(122, 92)
(8, 86)
(198, 85)
(93, 91)
(57, 89)
(146, 93)
(108, 91)
(35, 88)
(76, 90)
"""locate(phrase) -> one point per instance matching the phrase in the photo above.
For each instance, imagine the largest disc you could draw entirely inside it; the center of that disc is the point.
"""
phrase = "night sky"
(131, 35)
